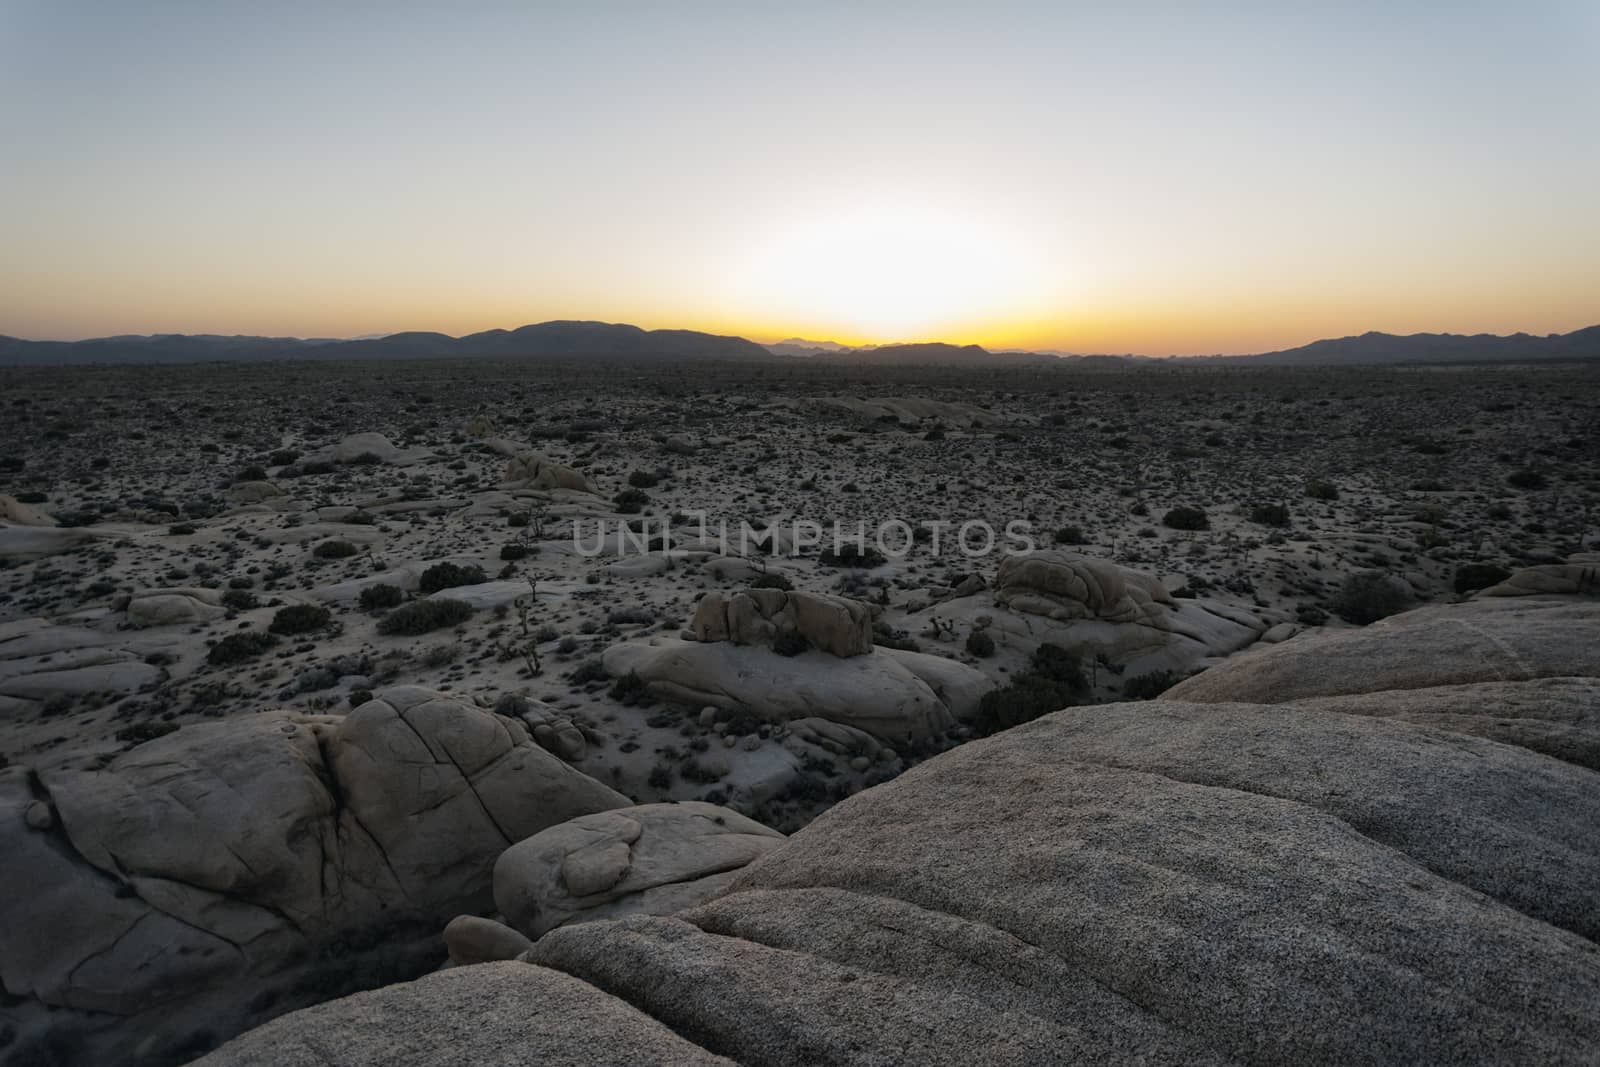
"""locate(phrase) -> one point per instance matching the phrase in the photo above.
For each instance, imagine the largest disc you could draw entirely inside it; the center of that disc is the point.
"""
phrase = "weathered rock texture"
(497, 1013)
(834, 624)
(531, 470)
(653, 859)
(204, 881)
(893, 695)
(1171, 882)
(1063, 585)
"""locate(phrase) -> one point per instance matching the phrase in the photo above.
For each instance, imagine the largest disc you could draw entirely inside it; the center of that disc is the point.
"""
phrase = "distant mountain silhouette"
(551, 340)
(1436, 348)
(602, 340)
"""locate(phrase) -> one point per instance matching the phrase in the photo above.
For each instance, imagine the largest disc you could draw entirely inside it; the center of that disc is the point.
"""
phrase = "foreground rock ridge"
(1369, 846)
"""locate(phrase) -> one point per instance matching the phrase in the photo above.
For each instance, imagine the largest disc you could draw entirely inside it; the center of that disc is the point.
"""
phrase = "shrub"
(379, 597)
(236, 648)
(1149, 686)
(1471, 577)
(251, 474)
(790, 643)
(1527, 479)
(299, 619)
(1270, 514)
(1367, 596)
(512, 553)
(1186, 518)
(630, 501)
(1070, 535)
(630, 690)
(239, 600)
(660, 777)
(980, 644)
(140, 732)
(643, 480)
(1320, 490)
(771, 581)
(589, 671)
(334, 550)
(424, 616)
(449, 576)
(1055, 680)
(852, 555)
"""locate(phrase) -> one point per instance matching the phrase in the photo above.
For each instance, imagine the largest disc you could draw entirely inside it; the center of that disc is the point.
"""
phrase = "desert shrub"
(884, 637)
(630, 690)
(1186, 518)
(140, 732)
(251, 474)
(334, 550)
(367, 459)
(980, 644)
(32, 497)
(644, 480)
(1367, 596)
(1310, 615)
(182, 529)
(630, 617)
(236, 648)
(299, 619)
(695, 771)
(284, 457)
(630, 501)
(424, 616)
(1471, 577)
(1070, 535)
(790, 643)
(239, 600)
(380, 597)
(771, 581)
(1149, 686)
(1270, 514)
(660, 777)
(449, 576)
(1320, 490)
(589, 671)
(359, 697)
(852, 555)
(1527, 479)
(1054, 680)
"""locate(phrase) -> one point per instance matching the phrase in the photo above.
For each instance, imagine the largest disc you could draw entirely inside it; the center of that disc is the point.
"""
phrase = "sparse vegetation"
(424, 616)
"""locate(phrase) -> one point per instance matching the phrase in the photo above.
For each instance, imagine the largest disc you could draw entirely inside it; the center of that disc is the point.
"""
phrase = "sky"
(1115, 177)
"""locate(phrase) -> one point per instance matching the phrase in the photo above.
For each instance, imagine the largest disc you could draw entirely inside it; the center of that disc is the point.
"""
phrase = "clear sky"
(1158, 178)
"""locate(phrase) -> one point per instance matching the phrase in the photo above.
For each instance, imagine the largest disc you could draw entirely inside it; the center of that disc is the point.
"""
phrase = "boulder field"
(1265, 866)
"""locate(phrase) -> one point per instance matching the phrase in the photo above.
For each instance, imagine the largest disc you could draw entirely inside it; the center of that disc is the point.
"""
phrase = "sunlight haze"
(1142, 178)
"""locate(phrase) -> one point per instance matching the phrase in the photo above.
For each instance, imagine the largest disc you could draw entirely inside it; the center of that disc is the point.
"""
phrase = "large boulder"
(1171, 883)
(1508, 639)
(14, 512)
(897, 696)
(366, 447)
(531, 470)
(486, 1016)
(205, 881)
(653, 859)
(1065, 585)
(834, 624)
(174, 607)
(1579, 575)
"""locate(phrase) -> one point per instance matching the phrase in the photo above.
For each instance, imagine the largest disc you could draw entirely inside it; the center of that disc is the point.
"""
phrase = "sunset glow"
(1076, 177)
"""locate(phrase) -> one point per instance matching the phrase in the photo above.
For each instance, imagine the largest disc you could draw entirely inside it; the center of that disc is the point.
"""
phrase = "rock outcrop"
(1192, 880)
(653, 859)
(497, 1013)
(204, 881)
(1579, 575)
(836, 625)
(173, 607)
(1064, 585)
(893, 695)
(530, 470)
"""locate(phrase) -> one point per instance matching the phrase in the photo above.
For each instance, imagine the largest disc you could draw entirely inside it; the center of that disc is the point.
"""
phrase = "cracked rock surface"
(204, 881)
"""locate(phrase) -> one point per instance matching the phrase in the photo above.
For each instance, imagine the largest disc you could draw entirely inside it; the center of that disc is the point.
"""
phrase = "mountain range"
(565, 339)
